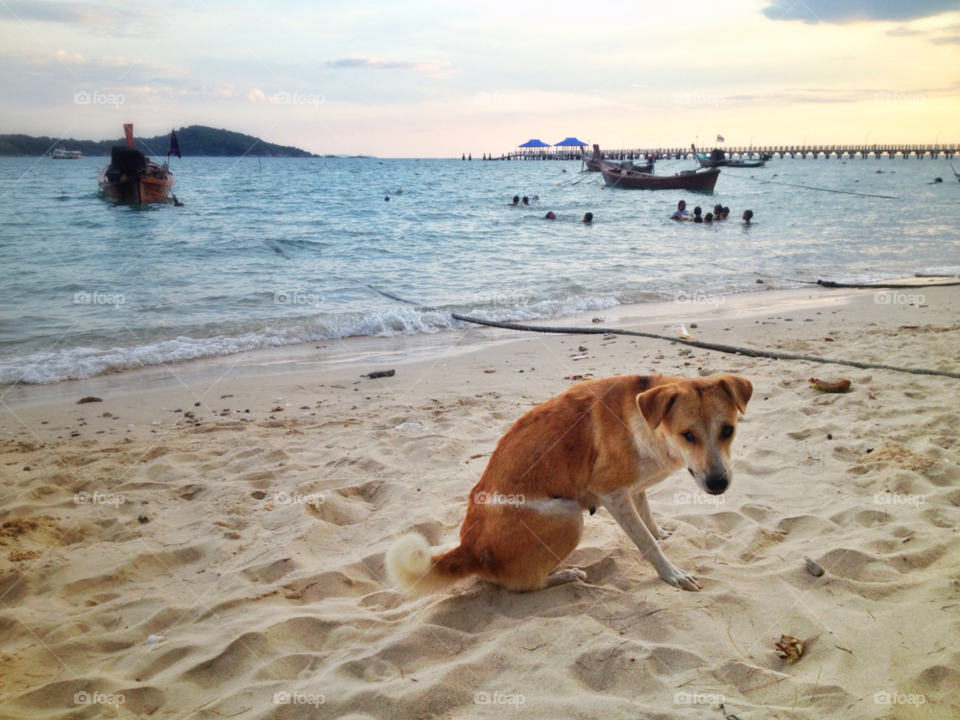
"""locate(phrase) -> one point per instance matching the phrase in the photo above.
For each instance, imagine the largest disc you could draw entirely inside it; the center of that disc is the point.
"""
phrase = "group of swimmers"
(719, 214)
(526, 202)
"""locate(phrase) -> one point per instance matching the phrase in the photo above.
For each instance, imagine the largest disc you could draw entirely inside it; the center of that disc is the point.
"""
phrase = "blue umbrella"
(570, 142)
(535, 143)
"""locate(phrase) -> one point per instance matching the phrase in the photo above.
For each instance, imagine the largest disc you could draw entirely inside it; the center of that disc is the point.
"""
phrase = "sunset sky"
(435, 79)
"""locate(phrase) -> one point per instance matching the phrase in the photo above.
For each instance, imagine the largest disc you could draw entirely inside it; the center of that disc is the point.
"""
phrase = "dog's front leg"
(619, 504)
(643, 508)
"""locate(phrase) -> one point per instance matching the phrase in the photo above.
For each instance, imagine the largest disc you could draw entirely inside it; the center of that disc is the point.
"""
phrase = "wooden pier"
(746, 153)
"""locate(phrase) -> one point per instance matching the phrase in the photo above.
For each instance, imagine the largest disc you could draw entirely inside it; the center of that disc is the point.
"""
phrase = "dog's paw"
(568, 575)
(662, 533)
(680, 579)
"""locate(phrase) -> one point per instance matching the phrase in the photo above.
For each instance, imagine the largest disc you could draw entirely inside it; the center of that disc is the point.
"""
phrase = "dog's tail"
(410, 565)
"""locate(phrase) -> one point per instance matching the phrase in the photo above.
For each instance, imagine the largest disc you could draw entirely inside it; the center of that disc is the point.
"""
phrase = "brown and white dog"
(601, 443)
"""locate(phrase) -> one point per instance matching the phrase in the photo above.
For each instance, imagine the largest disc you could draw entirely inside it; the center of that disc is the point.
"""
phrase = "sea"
(270, 252)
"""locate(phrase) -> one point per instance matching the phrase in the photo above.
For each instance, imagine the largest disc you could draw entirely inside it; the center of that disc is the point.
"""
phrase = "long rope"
(730, 349)
(811, 187)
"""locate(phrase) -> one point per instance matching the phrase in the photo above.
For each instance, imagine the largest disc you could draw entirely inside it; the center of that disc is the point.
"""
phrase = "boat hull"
(153, 186)
(689, 180)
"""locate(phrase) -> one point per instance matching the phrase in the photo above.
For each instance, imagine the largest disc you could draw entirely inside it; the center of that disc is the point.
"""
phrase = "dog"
(602, 443)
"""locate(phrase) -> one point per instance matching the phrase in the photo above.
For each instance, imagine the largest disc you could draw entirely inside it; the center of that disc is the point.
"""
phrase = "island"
(195, 141)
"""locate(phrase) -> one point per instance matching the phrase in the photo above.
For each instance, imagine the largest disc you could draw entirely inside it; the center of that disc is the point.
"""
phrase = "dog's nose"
(716, 484)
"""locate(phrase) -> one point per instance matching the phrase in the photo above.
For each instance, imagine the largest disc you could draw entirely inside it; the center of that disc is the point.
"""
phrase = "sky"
(427, 78)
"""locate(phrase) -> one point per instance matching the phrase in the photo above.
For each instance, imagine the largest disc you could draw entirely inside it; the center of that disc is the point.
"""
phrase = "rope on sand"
(730, 349)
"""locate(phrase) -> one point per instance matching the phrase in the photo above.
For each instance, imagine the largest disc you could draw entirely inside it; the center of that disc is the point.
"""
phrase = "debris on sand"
(840, 386)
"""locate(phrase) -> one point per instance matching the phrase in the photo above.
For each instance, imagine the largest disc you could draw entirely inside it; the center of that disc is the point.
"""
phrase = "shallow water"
(289, 254)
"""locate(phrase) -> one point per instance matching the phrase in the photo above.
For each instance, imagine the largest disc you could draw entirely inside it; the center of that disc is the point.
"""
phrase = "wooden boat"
(132, 177)
(615, 176)
(592, 164)
(717, 158)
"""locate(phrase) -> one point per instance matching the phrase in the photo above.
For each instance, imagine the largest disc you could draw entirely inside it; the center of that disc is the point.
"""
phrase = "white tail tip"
(408, 561)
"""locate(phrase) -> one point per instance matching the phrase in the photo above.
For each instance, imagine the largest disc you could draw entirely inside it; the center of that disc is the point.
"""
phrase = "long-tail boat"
(717, 158)
(592, 164)
(132, 177)
(615, 176)
(957, 174)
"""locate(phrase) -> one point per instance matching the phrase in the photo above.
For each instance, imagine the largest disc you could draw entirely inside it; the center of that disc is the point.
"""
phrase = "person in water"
(717, 212)
(726, 212)
(550, 216)
(698, 214)
(708, 219)
(526, 201)
(747, 216)
(588, 218)
(535, 202)
(516, 201)
(681, 212)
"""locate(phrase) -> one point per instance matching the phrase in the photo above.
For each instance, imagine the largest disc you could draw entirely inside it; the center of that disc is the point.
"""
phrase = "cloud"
(76, 13)
(429, 67)
(948, 40)
(851, 11)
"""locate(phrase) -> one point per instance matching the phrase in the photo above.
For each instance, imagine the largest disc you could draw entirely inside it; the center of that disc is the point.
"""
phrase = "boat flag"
(174, 145)
(720, 138)
(128, 131)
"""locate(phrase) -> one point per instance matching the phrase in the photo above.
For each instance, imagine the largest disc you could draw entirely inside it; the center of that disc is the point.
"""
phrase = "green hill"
(195, 141)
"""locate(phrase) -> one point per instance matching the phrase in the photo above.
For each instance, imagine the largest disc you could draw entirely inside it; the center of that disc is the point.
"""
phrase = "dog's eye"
(726, 432)
(689, 437)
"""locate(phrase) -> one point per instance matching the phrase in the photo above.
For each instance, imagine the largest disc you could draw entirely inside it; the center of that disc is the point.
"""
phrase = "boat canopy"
(128, 161)
(570, 142)
(535, 143)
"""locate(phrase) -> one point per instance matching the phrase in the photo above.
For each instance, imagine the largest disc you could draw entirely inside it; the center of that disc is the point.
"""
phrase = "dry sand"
(253, 596)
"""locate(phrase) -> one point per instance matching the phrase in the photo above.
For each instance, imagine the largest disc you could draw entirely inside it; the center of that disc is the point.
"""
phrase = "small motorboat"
(717, 158)
(132, 177)
(61, 154)
(615, 176)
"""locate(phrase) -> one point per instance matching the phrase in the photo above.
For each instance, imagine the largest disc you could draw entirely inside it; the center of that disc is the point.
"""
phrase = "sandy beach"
(208, 539)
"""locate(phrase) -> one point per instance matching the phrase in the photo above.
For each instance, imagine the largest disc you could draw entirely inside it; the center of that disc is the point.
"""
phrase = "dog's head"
(698, 419)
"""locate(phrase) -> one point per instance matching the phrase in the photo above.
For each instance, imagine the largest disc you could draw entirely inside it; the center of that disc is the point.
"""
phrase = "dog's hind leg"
(562, 577)
(620, 505)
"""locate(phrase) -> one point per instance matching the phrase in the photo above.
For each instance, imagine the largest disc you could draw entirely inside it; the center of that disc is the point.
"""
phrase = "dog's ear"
(738, 388)
(655, 404)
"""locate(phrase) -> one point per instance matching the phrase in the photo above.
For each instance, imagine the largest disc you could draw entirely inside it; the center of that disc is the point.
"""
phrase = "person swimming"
(698, 213)
(516, 201)
(526, 201)
(708, 219)
(717, 211)
(176, 203)
(747, 216)
(588, 218)
(681, 212)
(550, 216)
(726, 212)
(535, 201)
